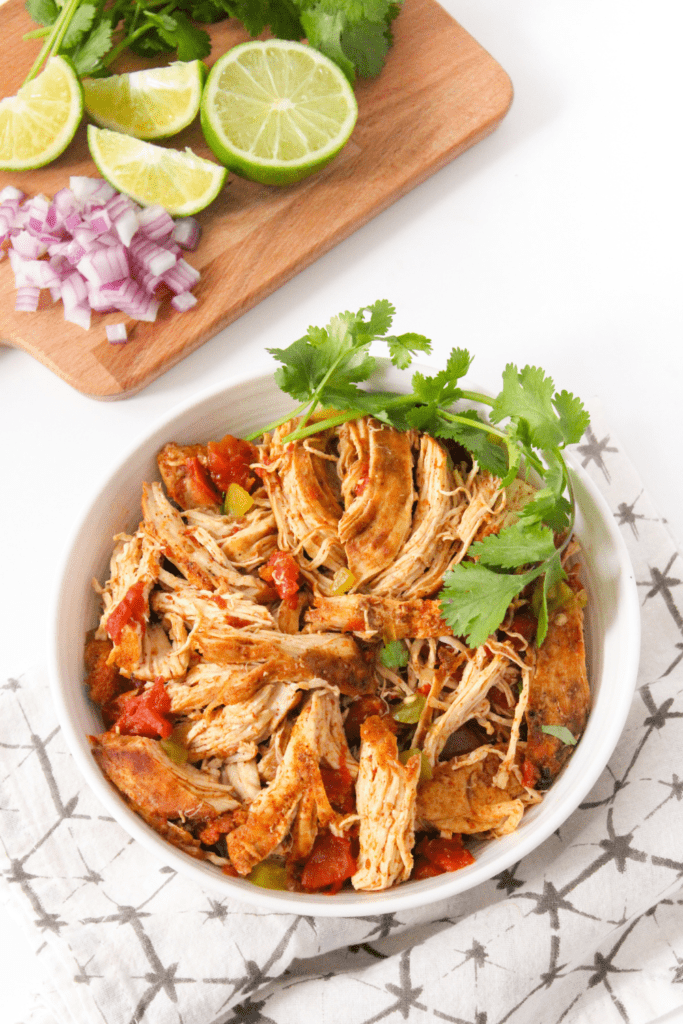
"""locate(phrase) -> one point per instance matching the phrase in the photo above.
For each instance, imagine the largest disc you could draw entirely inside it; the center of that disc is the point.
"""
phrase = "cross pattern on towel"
(573, 928)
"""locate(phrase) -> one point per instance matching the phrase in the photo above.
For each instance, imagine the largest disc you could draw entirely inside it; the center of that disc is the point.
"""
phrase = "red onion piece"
(116, 333)
(184, 301)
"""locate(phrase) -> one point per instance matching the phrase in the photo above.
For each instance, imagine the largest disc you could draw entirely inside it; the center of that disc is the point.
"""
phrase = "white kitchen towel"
(588, 928)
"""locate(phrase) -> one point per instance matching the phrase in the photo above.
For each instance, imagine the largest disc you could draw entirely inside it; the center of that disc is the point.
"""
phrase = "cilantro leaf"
(474, 599)
(515, 545)
(574, 419)
(404, 347)
(394, 654)
(488, 450)
(527, 399)
(43, 12)
(79, 25)
(560, 732)
(87, 57)
(443, 386)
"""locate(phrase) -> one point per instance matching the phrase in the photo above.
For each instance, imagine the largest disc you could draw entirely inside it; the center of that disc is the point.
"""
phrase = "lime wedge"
(276, 111)
(153, 175)
(39, 122)
(152, 104)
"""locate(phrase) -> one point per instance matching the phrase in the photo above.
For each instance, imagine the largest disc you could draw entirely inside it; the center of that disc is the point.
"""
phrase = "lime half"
(276, 111)
(152, 104)
(39, 122)
(153, 175)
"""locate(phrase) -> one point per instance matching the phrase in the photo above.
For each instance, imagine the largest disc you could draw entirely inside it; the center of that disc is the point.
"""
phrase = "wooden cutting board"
(437, 95)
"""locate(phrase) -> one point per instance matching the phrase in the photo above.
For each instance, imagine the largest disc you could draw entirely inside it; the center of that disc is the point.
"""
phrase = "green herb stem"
(54, 39)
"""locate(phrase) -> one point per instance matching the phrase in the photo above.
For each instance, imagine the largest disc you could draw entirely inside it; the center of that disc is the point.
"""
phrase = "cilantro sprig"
(528, 427)
(92, 33)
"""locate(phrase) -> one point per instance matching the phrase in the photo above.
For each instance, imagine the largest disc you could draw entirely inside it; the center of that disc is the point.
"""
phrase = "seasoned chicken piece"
(461, 796)
(376, 470)
(245, 779)
(386, 793)
(336, 659)
(140, 769)
(223, 731)
(297, 792)
(298, 479)
(372, 616)
(485, 503)
(247, 541)
(559, 693)
(103, 680)
(481, 672)
(193, 551)
(134, 569)
(208, 614)
(165, 651)
(207, 684)
(418, 568)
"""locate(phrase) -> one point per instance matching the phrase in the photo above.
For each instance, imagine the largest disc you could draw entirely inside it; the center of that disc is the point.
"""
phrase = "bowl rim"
(206, 875)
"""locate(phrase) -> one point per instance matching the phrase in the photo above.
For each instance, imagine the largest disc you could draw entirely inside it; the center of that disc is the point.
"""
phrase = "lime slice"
(39, 122)
(276, 111)
(153, 175)
(152, 104)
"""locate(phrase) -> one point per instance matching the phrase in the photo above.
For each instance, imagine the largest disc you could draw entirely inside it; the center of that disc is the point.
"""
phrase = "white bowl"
(242, 407)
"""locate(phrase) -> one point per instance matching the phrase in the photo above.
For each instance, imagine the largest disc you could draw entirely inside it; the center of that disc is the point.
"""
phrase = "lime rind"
(152, 104)
(39, 122)
(180, 181)
(276, 111)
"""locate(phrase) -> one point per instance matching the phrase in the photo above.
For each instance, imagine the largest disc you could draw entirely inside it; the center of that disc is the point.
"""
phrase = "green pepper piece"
(409, 711)
(176, 751)
(425, 766)
(268, 875)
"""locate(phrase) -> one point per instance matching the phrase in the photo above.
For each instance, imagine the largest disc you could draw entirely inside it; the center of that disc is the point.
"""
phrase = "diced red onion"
(156, 223)
(105, 266)
(116, 333)
(11, 194)
(27, 299)
(187, 233)
(97, 250)
(181, 277)
(183, 301)
(28, 245)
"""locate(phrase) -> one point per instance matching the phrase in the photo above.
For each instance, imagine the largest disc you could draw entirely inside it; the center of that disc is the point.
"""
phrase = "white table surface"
(555, 242)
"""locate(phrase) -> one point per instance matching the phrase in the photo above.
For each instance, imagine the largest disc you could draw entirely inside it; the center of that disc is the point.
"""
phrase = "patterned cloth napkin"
(589, 927)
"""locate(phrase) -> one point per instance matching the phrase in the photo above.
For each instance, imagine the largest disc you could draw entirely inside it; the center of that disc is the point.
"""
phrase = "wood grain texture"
(438, 94)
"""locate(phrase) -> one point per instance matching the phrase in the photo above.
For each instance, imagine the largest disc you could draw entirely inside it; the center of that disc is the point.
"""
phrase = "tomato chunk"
(130, 609)
(338, 785)
(359, 710)
(436, 856)
(145, 714)
(329, 864)
(229, 462)
(282, 571)
(202, 490)
(530, 774)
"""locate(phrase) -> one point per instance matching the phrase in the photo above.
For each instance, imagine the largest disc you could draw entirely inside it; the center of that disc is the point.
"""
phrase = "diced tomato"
(436, 856)
(282, 571)
(145, 714)
(229, 462)
(203, 491)
(359, 710)
(130, 609)
(338, 785)
(424, 689)
(525, 624)
(530, 774)
(329, 864)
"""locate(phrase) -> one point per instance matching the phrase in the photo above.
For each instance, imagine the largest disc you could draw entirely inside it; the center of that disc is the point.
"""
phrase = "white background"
(555, 242)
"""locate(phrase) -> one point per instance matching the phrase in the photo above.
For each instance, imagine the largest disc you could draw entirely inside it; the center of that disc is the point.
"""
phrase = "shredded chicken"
(386, 793)
(317, 713)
